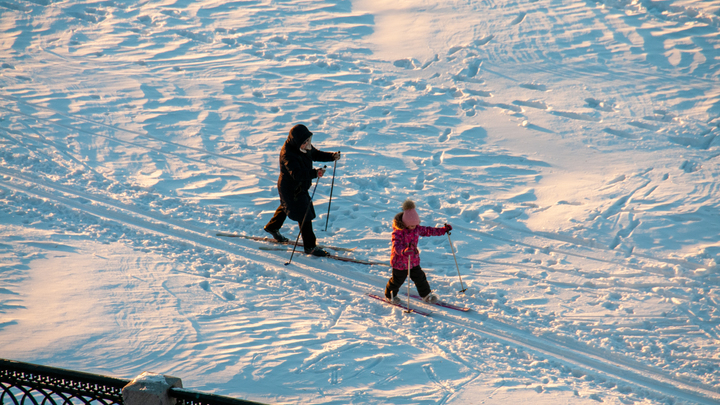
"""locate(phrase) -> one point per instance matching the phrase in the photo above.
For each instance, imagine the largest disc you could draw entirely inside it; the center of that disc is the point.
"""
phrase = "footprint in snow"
(434, 202)
(145, 19)
(229, 41)
(621, 133)
(480, 93)
(644, 125)
(417, 85)
(354, 127)
(279, 39)
(690, 167)
(509, 107)
(518, 19)
(532, 104)
(617, 179)
(420, 181)
(430, 62)
(473, 67)
(406, 63)
(660, 116)
(200, 37)
(445, 136)
(437, 158)
(454, 50)
(600, 105)
(484, 40)
(150, 92)
(469, 215)
(576, 116)
(533, 86)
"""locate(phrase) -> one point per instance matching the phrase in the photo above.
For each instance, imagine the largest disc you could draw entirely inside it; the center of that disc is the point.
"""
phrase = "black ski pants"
(308, 236)
(398, 278)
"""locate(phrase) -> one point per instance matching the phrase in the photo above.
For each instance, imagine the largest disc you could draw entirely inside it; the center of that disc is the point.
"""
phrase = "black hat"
(299, 134)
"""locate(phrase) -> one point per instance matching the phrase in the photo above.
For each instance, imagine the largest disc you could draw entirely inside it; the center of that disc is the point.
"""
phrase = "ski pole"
(332, 185)
(408, 287)
(456, 264)
(302, 225)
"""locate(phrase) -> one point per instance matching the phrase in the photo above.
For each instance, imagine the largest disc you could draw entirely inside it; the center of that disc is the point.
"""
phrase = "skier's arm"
(320, 156)
(430, 231)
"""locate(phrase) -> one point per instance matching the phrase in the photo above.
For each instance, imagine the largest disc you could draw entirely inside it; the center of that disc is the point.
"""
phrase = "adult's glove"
(448, 228)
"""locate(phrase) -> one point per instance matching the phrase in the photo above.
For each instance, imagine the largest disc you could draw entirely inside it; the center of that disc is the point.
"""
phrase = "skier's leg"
(418, 276)
(277, 221)
(395, 282)
(308, 236)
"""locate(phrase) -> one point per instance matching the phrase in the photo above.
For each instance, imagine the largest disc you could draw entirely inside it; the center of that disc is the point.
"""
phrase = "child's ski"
(271, 240)
(336, 257)
(401, 305)
(443, 304)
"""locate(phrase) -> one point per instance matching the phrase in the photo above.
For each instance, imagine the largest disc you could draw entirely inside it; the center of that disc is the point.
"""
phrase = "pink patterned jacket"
(403, 238)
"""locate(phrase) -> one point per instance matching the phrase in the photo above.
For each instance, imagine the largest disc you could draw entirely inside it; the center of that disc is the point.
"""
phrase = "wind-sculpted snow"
(572, 146)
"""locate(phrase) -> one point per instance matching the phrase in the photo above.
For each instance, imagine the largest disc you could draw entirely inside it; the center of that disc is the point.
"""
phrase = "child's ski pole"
(302, 225)
(456, 263)
(408, 286)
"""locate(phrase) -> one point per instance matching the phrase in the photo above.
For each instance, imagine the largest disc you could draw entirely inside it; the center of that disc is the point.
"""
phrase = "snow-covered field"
(570, 143)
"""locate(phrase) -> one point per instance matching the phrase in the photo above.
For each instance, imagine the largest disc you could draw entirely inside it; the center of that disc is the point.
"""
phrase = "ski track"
(199, 232)
(611, 211)
(582, 359)
(642, 295)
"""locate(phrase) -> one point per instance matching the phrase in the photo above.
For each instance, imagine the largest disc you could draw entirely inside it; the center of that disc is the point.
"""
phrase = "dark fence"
(25, 384)
(187, 397)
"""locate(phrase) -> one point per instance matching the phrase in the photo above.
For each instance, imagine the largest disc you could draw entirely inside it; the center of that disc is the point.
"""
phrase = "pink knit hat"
(410, 217)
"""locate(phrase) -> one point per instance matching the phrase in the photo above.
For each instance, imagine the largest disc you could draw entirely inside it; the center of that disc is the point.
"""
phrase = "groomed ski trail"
(573, 354)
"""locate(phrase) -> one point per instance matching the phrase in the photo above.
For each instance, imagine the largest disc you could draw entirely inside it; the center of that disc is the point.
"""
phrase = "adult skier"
(296, 175)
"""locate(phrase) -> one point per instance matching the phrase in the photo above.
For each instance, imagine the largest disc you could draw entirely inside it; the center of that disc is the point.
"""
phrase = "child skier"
(406, 232)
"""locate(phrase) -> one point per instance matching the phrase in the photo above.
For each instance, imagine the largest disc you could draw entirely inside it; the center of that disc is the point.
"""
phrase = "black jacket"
(296, 176)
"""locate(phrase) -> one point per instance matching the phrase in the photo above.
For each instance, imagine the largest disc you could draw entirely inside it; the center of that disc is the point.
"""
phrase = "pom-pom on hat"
(410, 217)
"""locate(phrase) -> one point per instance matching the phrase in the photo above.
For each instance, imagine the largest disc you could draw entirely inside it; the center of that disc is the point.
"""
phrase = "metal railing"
(25, 384)
(187, 397)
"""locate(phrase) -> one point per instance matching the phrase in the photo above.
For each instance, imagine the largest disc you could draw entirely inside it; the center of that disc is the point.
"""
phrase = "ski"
(271, 240)
(402, 305)
(443, 304)
(336, 257)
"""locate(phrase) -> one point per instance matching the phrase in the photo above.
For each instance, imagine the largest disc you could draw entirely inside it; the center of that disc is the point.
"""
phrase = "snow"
(571, 144)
